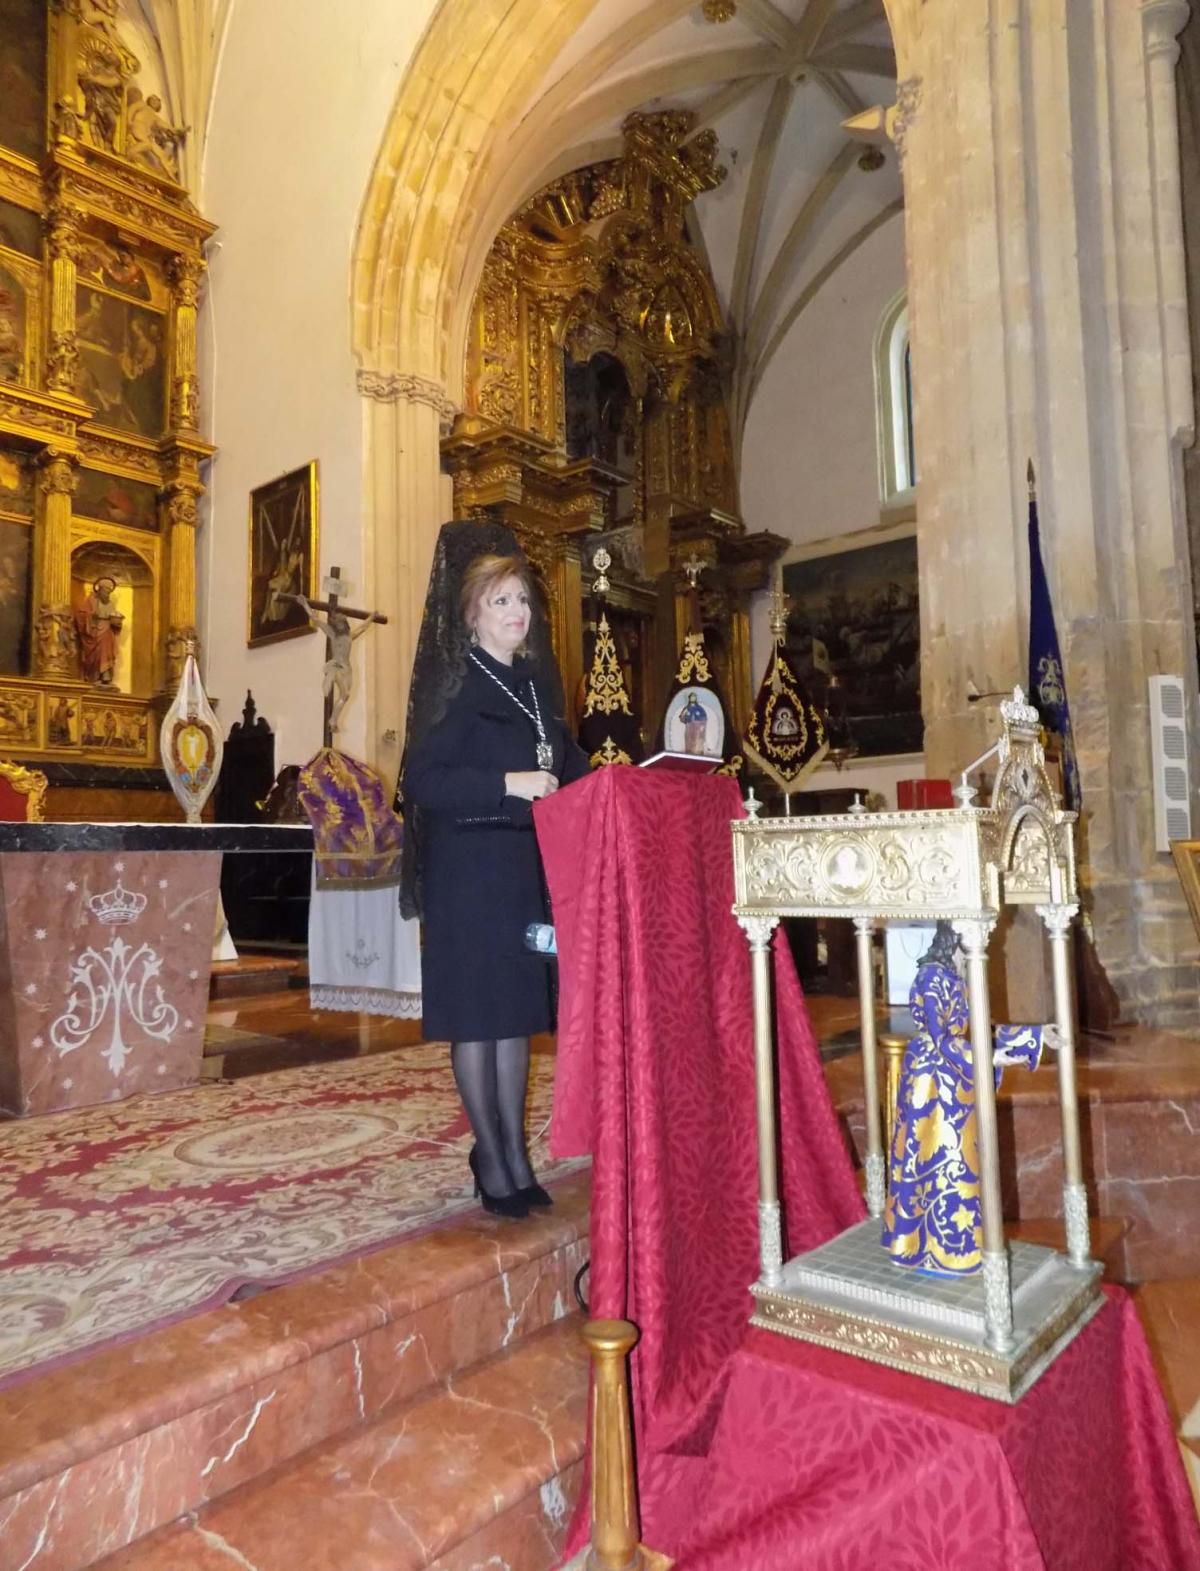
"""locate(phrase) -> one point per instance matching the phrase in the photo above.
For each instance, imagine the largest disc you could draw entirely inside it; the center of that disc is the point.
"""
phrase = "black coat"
(480, 871)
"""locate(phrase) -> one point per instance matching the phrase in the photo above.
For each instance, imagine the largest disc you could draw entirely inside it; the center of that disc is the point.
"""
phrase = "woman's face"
(502, 620)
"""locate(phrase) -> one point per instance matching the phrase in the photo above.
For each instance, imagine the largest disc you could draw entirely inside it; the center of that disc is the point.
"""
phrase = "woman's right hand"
(529, 784)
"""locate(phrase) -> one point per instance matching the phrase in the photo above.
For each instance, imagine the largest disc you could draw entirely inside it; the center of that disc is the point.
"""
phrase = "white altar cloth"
(363, 956)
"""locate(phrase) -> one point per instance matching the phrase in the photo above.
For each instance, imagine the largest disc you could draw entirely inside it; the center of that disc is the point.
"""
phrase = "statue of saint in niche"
(98, 624)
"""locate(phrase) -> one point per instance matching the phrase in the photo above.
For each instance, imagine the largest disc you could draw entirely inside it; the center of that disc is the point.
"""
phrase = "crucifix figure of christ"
(335, 624)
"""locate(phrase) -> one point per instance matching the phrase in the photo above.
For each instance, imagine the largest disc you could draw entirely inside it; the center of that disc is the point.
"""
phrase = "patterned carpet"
(120, 1218)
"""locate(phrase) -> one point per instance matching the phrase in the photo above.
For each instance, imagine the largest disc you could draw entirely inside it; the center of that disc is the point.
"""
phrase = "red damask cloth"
(756, 1453)
(655, 1077)
(823, 1462)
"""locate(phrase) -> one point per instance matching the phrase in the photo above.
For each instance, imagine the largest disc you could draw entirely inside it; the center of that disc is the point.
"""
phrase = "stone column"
(179, 518)
(54, 629)
(62, 225)
(187, 275)
(1047, 314)
(406, 501)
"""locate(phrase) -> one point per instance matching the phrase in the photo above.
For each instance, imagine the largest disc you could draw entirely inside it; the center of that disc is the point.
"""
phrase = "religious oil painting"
(115, 500)
(283, 555)
(17, 303)
(855, 615)
(16, 483)
(122, 361)
(20, 230)
(23, 76)
(116, 267)
(16, 559)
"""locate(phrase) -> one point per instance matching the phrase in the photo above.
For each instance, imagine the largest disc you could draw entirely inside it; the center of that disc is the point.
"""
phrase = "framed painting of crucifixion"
(284, 553)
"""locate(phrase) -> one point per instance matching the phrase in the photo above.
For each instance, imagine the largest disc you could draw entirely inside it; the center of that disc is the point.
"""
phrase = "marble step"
(482, 1471)
(101, 1452)
(250, 975)
(1107, 1234)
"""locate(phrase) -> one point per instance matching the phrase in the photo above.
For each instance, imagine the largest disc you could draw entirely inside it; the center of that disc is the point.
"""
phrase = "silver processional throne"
(993, 1332)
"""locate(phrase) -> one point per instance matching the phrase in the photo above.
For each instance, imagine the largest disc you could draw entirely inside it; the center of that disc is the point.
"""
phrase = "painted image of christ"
(694, 718)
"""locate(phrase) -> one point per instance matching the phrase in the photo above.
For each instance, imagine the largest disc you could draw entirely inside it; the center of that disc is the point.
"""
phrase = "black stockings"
(492, 1078)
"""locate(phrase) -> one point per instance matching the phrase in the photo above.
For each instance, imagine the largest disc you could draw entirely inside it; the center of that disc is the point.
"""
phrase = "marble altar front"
(105, 955)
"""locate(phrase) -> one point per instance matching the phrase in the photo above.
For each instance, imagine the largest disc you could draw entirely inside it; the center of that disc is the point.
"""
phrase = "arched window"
(894, 404)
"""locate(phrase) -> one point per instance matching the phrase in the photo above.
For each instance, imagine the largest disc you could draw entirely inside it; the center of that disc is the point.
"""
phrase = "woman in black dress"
(483, 746)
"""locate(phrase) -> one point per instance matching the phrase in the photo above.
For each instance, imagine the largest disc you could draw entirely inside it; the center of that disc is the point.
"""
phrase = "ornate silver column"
(864, 927)
(997, 1286)
(1057, 920)
(758, 930)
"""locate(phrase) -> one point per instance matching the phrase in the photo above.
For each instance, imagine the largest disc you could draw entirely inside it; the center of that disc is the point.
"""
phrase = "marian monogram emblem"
(115, 988)
(1050, 682)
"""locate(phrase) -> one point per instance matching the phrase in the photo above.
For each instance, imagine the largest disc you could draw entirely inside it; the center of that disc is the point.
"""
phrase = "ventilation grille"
(1168, 738)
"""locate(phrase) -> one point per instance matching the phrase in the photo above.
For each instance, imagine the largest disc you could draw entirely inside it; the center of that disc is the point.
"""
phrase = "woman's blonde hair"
(482, 576)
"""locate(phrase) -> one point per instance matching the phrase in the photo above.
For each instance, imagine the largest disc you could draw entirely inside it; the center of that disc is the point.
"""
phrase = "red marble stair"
(251, 975)
(483, 1470)
(98, 1454)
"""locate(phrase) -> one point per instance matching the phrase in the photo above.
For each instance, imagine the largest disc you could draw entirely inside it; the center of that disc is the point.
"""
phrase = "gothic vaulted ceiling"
(775, 79)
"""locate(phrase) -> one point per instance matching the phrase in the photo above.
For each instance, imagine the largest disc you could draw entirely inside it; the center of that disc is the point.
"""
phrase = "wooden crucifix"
(335, 624)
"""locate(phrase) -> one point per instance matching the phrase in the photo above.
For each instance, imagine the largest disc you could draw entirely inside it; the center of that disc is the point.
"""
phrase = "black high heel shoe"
(514, 1205)
(534, 1195)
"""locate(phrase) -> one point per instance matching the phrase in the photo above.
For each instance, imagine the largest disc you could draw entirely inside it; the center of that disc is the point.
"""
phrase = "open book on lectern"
(692, 763)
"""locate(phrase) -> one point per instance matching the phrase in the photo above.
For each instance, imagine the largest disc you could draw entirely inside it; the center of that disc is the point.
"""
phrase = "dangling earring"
(474, 635)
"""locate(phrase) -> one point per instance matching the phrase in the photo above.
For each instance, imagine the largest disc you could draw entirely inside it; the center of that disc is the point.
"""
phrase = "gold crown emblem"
(116, 907)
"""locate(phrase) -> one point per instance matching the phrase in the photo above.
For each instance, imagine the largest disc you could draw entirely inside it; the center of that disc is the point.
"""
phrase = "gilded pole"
(1057, 920)
(187, 275)
(54, 637)
(615, 1528)
(997, 1286)
(179, 521)
(894, 1047)
(758, 930)
(62, 223)
(567, 594)
(873, 1164)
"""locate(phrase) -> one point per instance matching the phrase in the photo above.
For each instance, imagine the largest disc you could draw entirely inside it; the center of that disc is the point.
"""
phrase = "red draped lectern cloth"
(655, 1078)
(754, 1452)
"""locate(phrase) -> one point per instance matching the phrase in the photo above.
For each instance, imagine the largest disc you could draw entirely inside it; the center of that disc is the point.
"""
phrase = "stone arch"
(417, 215)
(465, 144)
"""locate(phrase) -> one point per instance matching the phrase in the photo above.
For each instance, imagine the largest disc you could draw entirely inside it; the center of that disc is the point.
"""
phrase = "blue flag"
(1047, 683)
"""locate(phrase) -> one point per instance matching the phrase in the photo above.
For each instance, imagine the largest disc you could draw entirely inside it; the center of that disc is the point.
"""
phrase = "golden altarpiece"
(100, 272)
(595, 411)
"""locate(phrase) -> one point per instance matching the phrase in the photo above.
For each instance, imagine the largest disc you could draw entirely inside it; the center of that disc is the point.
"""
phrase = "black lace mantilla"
(440, 664)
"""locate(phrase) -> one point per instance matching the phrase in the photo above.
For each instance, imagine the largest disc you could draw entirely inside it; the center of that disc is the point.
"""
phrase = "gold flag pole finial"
(777, 607)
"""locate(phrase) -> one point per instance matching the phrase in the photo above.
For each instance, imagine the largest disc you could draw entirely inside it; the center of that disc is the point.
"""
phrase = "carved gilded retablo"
(101, 268)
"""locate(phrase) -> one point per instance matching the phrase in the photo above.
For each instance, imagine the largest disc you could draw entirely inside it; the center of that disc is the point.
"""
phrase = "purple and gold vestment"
(932, 1219)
